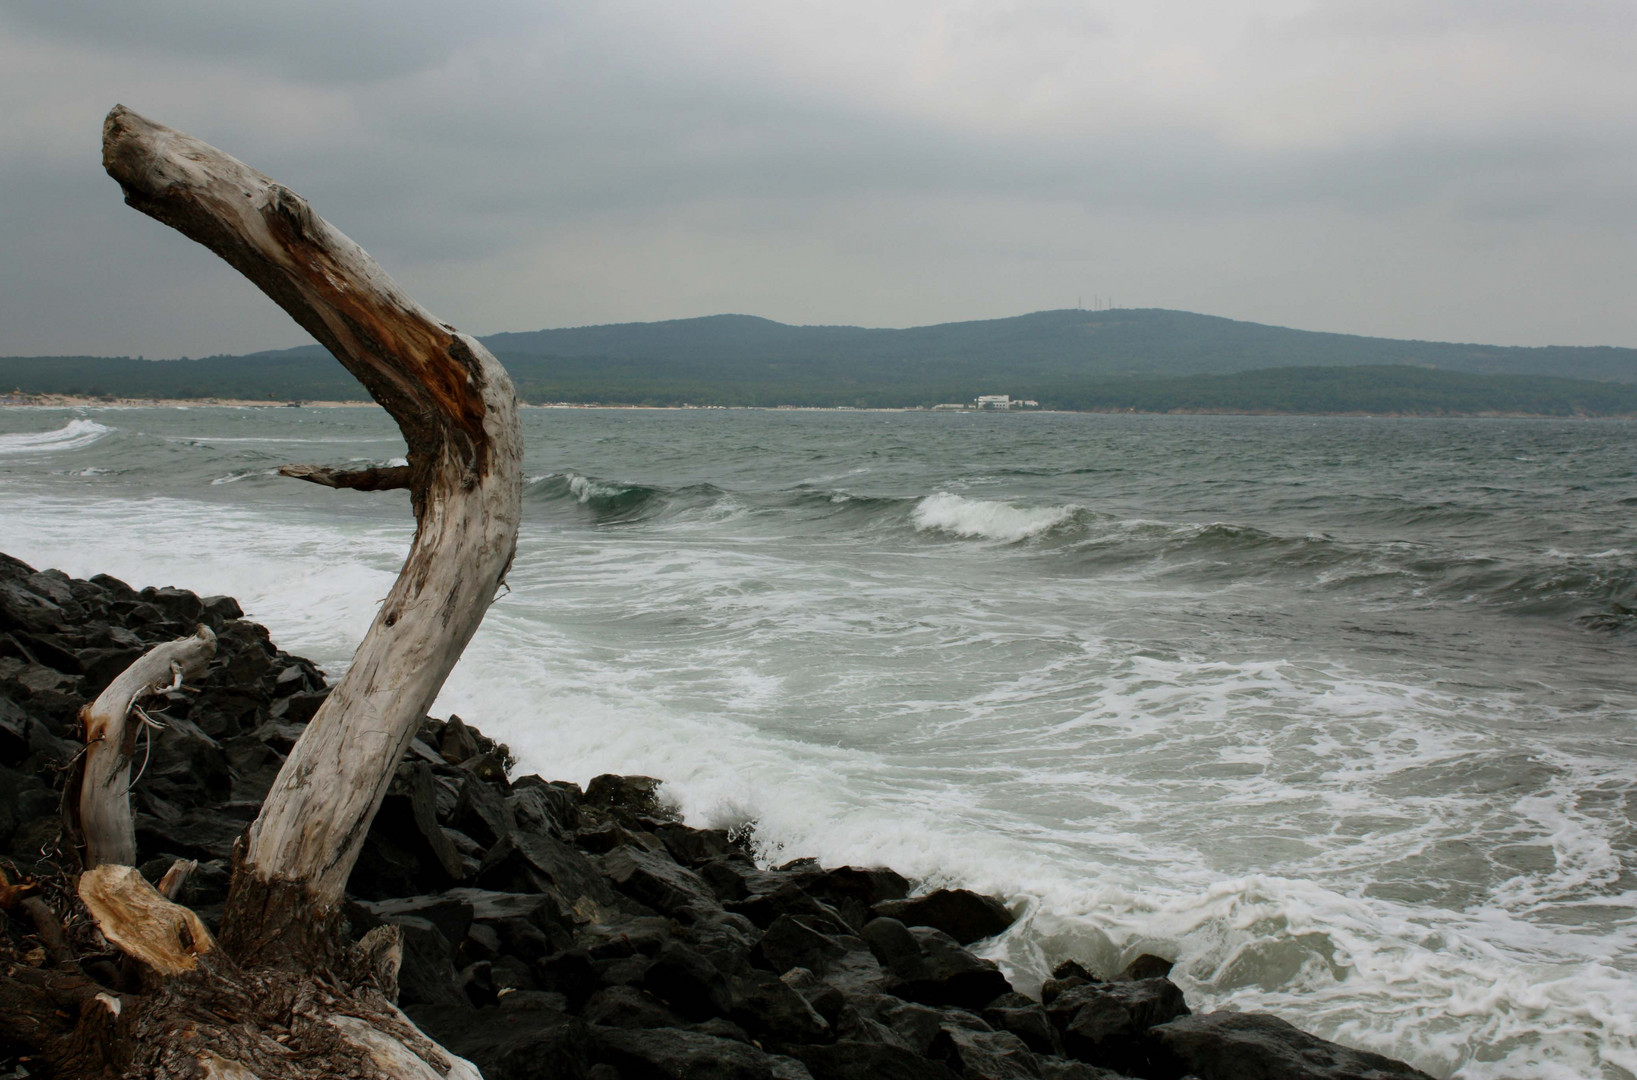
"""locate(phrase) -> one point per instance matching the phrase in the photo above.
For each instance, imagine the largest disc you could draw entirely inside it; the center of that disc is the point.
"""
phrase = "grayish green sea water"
(1337, 712)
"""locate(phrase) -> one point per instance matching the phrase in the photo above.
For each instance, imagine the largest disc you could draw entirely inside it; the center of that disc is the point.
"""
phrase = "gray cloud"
(1393, 168)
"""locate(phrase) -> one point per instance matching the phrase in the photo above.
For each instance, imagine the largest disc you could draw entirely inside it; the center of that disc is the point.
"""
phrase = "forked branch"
(456, 408)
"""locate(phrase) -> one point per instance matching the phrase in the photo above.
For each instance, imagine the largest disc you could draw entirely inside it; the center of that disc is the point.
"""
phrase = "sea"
(1337, 713)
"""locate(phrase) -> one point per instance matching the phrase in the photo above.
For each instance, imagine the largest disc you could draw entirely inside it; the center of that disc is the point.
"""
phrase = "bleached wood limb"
(170, 886)
(387, 478)
(133, 915)
(104, 803)
(456, 408)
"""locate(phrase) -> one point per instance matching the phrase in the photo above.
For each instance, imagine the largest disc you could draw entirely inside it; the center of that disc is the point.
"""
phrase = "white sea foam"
(1395, 847)
(584, 489)
(71, 436)
(986, 520)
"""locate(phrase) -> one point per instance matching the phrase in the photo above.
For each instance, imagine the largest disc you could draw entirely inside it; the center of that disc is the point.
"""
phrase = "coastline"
(539, 920)
(71, 401)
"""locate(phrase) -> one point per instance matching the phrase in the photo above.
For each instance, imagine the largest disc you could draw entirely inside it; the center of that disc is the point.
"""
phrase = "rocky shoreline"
(565, 934)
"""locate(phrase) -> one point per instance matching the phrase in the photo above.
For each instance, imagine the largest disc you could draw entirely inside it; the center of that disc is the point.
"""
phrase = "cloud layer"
(1460, 170)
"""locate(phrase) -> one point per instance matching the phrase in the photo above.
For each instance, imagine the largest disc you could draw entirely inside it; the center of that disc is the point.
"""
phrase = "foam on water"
(74, 435)
(1279, 750)
(987, 520)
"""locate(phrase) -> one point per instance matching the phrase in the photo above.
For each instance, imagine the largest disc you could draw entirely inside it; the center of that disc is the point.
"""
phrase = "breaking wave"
(71, 436)
(982, 519)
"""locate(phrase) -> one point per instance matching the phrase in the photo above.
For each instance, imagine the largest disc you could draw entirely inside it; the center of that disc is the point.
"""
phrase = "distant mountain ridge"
(1068, 342)
(1143, 359)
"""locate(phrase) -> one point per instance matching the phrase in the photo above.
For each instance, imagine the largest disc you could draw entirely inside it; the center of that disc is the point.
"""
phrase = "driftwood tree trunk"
(281, 995)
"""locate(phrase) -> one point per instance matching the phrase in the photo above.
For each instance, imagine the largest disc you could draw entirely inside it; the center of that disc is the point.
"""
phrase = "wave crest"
(986, 520)
(71, 436)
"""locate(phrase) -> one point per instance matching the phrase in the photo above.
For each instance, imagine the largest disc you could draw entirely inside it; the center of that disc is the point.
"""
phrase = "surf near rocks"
(556, 932)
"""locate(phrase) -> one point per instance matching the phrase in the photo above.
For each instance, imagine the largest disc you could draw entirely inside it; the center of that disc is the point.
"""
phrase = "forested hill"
(1065, 359)
(1049, 344)
(1052, 344)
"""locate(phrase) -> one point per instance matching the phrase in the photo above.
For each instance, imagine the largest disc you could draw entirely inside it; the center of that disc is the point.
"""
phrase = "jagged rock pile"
(555, 933)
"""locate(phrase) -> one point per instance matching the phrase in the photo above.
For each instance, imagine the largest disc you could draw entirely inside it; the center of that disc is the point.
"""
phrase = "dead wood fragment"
(132, 915)
(102, 810)
(386, 478)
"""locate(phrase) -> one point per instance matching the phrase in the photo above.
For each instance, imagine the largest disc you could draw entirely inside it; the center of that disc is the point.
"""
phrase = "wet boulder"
(964, 915)
(671, 1054)
(1103, 1023)
(1025, 1018)
(926, 965)
(853, 1060)
(1258, 1046)
(775, 1012)
(528, 1043)
(984, 1055)
(656, 880)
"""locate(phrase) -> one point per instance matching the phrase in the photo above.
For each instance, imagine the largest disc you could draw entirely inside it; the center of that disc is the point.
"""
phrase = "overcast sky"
(1447, 169)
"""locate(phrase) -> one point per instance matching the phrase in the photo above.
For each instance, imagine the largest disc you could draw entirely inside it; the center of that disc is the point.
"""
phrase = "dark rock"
(254, 766)
(218, 609)
(604, 838)
(926, 965)
(409, 818)
(984, 1055)
(480, 812)
(510, 1043)
(626, 937)
(511, 975)
(14, 725)
(918, 1025)
(179, 604)
(622, 971)
(626, 795)
(1148, 966)
(628, 1007)
(1073, 969)
(538, 807)
(427, 974)
(1103, 1023)
(101, 666)
(763, 908)
(298, 708)
(23, 609)
(849, 1060)
(694, 847)
(656, 880)
(964, 915)
(197, 834)
(476, 984)
(793, 942)
(1060, 1069)
(825, 999)
(193, 766)
(571, 973)
(1053, 989)
(1257, 1046)
(788, 1068)
(524, 862)
(668, 1054)
(480, 943)
(775, 1012)
(450, 915)
(693, 986)
(457, 743)
(1027, 1020)
(854, 890)
(490, 768)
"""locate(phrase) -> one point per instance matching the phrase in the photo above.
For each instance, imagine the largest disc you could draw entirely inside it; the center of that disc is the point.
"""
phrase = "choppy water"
(1338, 712)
